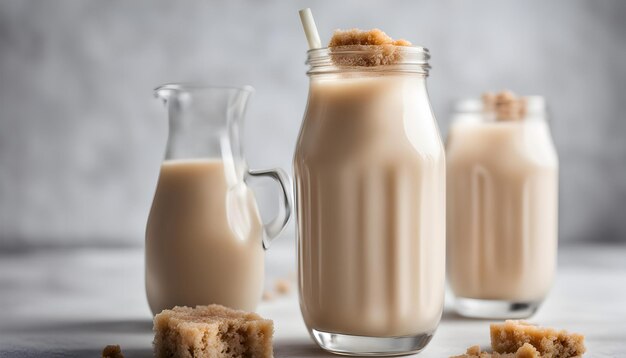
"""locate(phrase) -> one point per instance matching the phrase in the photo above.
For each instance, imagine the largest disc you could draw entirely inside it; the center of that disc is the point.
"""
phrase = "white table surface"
(71, 303)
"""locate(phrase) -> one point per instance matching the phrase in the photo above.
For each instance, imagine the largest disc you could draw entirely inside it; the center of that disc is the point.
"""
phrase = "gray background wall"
(81, 136)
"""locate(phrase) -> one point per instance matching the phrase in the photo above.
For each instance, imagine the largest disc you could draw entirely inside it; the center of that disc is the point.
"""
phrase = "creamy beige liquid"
(502, 210)
(203, 239)
(370, 186)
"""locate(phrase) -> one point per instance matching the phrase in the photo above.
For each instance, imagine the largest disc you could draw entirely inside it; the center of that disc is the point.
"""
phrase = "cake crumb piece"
(267, 295)
(212, 331)
(509, 336)
(112, 351)
(374, 48)
(282, 286)
(373, 37)
(525, 351)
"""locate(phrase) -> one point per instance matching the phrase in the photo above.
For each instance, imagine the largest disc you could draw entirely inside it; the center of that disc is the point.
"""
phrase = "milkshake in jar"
(370, 192)
(501, 207)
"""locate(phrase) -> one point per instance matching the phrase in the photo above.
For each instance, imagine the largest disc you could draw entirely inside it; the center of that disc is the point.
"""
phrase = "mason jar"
(501, 209)
(370, 198)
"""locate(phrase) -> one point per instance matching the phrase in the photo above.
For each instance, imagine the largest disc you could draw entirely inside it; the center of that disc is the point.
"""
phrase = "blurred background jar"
(502, 206)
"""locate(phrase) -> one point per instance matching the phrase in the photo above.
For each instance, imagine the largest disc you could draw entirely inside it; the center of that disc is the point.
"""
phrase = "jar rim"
(534, 103)
(361, 48)
(408, 59)
(536, 109)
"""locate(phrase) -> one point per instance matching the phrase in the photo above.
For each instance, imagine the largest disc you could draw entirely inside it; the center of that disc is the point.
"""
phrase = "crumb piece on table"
(212, 331)
(519, 339)
(282, 286)
(112, 351)
(267, 295)
(509, 336)
(525, 351)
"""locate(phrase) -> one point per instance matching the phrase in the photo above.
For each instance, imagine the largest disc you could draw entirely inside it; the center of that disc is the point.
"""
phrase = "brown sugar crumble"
(525, 351)
(518, 339)
(507, 337)
(212, 331)
(375, 48)
(282, 286)
(267, 295)
(354, 37)
(505, 105)
(112, 351)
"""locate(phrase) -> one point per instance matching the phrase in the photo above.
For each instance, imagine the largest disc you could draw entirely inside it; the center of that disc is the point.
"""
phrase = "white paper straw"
(310, 30)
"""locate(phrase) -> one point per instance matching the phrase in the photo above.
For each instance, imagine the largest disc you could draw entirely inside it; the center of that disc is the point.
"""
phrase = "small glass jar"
(501, 210)
(370, 191)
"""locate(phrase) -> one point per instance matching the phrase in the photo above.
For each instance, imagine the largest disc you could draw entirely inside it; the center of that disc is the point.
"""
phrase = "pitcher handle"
(273, 228)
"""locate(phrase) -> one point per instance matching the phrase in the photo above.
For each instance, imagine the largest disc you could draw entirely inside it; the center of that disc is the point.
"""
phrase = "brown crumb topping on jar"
(505, 105)
(375, 48)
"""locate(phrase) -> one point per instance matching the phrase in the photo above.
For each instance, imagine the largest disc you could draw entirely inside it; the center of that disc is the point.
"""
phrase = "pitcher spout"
(165, 91)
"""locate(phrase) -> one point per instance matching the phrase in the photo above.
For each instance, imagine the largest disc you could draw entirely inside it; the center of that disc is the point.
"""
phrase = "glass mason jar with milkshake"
(370, 199)
(502, 206)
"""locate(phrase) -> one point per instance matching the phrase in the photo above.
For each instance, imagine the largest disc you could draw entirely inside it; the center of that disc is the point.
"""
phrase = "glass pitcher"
(204, 237)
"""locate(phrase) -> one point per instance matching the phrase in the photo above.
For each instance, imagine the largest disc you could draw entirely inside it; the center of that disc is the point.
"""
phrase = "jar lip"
(472, 110)
(200, 86)
(534, 104)
(410, 59)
